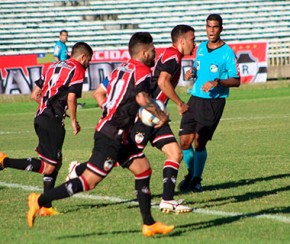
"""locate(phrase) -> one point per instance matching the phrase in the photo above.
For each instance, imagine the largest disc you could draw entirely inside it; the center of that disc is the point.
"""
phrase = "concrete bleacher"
(32, 26)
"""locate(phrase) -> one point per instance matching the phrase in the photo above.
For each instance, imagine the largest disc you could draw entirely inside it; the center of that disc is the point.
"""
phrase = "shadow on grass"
(242, 198)
(243, 182)
(187, 228)
(100, 205)
(232, 184)
(183, 229)
(97, 234)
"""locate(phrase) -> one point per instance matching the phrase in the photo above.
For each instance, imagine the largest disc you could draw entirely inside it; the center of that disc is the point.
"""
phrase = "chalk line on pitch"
(278, 218)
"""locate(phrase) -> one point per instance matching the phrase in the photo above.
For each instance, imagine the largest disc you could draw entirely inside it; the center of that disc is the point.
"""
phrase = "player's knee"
(178, 156)
(48, 168)
(199, 145)
(185, 143)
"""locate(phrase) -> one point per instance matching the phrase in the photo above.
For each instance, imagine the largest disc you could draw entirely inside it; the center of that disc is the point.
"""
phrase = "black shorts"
(202, 117)
(107, 152)
(51, 134)
(141, 134)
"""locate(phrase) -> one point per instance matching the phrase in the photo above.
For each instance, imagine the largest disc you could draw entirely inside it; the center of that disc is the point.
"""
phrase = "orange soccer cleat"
(43, 211)
(156, 228)
(33, 208)
(2, 157)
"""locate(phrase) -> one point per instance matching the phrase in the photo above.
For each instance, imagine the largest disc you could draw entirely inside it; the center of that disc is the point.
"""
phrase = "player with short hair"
(165, 78)
(55, 92)
(60, 50)
(215, 69)
(127, 91)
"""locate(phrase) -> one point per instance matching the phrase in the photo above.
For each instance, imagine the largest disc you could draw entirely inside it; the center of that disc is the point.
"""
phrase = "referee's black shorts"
(202, 117)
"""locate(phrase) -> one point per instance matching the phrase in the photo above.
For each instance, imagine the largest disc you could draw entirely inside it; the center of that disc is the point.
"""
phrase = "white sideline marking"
(278, 218)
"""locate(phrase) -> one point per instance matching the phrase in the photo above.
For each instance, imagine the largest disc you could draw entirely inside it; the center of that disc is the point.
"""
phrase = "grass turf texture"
(246, 178)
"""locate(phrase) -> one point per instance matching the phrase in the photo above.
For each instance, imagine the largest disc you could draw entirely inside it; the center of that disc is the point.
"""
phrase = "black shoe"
(195, 185)
(186, 182)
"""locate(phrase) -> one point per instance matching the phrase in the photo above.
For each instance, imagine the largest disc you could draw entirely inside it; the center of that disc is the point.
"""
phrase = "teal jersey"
(60, 51)
(219, 63)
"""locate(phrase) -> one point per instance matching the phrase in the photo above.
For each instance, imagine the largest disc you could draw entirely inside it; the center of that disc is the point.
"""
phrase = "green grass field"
(246, 196)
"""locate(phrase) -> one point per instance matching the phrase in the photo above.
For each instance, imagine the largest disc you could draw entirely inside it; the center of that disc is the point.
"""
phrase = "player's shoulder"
(227, 48)
(58, 43)
(139, 67)
(74, 64)
(171, 53)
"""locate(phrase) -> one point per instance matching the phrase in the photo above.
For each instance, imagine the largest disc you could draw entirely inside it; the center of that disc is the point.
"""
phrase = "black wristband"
(218, 81)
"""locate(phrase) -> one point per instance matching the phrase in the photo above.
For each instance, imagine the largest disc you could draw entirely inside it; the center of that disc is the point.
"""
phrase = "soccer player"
(56, 91)
(60, 52)
(126, 92)
(215, 69)
(165, 78)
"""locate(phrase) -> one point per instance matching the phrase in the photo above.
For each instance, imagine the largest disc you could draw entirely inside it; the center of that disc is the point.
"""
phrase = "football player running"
(127, 91)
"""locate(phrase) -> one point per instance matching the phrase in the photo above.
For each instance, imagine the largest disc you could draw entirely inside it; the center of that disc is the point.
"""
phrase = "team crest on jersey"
(214, 68)
(108, 164)
(197, 65)
(139, 137)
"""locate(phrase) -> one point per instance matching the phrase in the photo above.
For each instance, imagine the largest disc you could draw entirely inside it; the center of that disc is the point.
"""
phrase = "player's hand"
(191, 73)
(182, 108)
(188, 74)
(76, 127)
(164, 119)
(209, 85)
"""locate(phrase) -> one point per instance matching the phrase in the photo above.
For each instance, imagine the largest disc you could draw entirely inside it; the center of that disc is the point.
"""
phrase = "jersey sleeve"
(57, 49)
(76, 83)
(40, 82)
(232, 65)
(169, 66)
(142, 79)
(144, 86)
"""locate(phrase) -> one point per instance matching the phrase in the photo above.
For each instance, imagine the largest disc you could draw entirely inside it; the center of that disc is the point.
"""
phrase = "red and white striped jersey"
(170, 62)
(60, 79)
(120, 107)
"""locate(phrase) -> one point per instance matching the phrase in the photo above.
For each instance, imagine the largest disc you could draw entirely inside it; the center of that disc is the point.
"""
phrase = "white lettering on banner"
(16, 82)
(111, 55)
(17, 76)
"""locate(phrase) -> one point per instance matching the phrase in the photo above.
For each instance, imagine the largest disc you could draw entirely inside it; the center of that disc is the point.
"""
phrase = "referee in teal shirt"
(216, 70)
(60, 48)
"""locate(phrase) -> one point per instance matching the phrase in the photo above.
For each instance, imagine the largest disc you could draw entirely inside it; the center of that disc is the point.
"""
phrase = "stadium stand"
(32, 26)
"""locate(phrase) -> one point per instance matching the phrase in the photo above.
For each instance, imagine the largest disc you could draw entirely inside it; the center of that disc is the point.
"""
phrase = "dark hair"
(81, 47)
(179, 30)
(63, 31)
(137, 39)
(216, 17)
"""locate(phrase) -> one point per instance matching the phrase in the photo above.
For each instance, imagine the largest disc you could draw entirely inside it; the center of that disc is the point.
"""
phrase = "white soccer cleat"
(173, 206)
(72, 170)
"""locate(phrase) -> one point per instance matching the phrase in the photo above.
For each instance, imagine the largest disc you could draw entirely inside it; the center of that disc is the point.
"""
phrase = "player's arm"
(166, 87)
(56, 53)
(189, 74)
(231, 82)
(72, 107)
(147, 103)
(36, 94)
(232, 68)
(100, 94)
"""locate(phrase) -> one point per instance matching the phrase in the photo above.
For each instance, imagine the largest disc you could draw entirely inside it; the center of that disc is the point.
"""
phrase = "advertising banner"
(18, 72)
